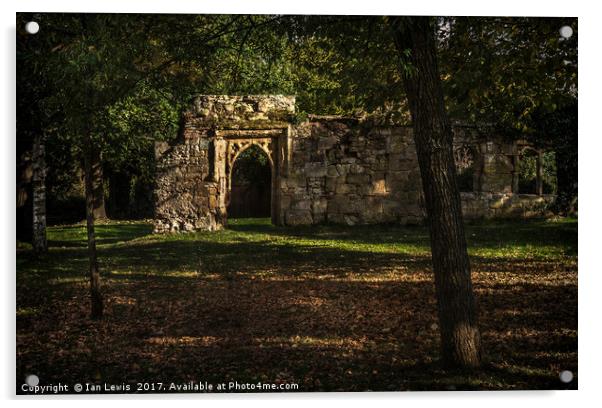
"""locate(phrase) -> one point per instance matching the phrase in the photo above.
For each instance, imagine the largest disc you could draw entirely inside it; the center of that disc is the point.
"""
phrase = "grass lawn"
(328, 307)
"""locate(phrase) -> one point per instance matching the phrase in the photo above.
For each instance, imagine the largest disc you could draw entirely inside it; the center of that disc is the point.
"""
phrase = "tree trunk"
(566, 177)
(98, 194)
(40, 244)
(539, 174)
(515, 173)
(94, 274)
(24, 193)
(460, 337)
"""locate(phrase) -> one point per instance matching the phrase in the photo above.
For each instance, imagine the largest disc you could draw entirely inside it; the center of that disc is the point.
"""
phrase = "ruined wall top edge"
(241, 111)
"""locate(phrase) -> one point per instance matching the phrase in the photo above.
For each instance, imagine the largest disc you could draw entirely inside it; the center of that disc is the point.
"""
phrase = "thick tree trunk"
(39, 242)
(94, 274)
(98, 194)
(460, 337)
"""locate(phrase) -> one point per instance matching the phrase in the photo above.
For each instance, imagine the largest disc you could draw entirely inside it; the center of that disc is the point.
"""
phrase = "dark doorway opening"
(251, 185)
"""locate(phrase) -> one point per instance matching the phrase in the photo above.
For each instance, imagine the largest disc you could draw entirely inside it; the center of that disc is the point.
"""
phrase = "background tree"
(559, 129)
(514, 75)
(31, 138)
(39, 241)
(91, 61)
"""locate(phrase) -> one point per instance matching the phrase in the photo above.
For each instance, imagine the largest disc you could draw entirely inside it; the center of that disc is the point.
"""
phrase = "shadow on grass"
(174, 258)
(74, 236)
(254, 247)
(327, 335)
(491, 234)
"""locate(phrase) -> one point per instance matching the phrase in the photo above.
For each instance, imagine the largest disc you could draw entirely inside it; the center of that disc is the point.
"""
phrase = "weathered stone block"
(350, 219)
(373, 210)
(319, 206)
(332, 171)
(344, 188)
(301, 205)
(401, 164)
(343, 169)
(327, 142)
(379, 186)
(330, 184)
(396, 144)
(356, 169)
(285, 201)
(212, 201)
(294, 217)
(315, 169)
(358, 178)
(335, 218)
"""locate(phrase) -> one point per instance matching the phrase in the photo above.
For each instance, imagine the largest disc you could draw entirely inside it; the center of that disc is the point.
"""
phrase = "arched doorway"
(250, 192)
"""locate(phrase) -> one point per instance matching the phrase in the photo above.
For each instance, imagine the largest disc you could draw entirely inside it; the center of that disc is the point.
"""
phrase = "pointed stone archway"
(250, 184)
(273, 142)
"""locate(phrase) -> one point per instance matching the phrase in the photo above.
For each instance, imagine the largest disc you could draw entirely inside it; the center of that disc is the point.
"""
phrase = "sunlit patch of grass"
(27, 311)
(66, 236)
(183, 340)
(149, 272)
(68, 280)
(23, 245)
(349, 343)
(515, 369)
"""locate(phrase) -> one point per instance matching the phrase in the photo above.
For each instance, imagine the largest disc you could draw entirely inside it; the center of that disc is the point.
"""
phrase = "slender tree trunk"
(539, 174)
(40, 244)
(460, 337)
(24, 178)
(515, 172)
(566, 177)
(94, 274)
(98, 194)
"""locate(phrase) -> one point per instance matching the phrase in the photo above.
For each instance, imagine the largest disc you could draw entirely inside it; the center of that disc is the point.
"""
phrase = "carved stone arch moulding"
(273, 142)
(236, 146)
(464, 156)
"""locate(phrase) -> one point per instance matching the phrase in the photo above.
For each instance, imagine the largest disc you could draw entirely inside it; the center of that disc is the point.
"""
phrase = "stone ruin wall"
(346, 174)
(191, 186)
(329, 170)
(185, 199)
(352, 174)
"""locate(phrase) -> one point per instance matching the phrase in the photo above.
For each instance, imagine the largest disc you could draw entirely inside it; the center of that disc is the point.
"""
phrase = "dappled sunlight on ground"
(331, 308)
